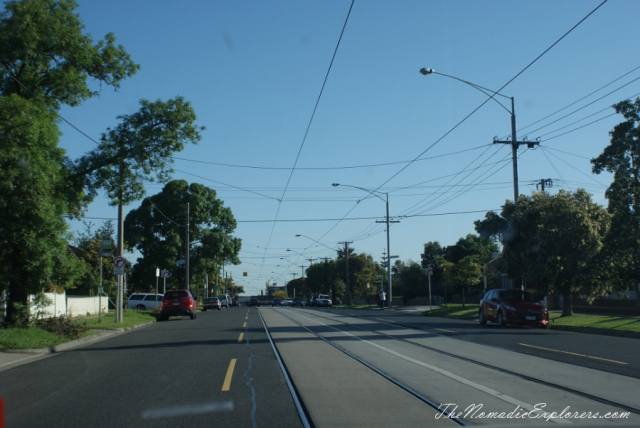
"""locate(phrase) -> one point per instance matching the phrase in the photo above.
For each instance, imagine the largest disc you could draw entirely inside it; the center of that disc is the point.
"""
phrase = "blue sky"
(254, 71)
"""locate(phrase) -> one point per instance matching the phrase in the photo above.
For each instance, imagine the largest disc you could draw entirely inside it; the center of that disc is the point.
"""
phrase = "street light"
(514, 142)
(386, 201)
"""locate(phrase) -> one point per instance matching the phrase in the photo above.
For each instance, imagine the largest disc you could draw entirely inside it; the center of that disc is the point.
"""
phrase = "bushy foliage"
(62, 326)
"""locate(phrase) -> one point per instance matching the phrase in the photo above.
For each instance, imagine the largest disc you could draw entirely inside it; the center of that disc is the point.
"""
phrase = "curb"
(100, 335)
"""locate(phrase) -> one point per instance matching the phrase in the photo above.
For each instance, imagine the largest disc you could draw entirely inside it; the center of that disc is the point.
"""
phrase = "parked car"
(512, 307)
(254, 301)
(225, 300)
(288, 302)
(178, 302)
(235, 301)
(311, 301)
(276, 302)
(144, 301)
(323, 300)
(297, 301)
(211, 303)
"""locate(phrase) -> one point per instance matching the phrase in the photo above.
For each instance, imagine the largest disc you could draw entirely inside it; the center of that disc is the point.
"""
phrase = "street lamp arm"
(371, 192)
(488, 92)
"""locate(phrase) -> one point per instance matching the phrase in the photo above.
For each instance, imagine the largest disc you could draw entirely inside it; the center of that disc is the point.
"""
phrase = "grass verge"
(36, 338)
(618, 323)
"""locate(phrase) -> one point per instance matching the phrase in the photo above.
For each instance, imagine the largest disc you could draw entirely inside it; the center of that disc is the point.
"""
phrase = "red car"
(177, 302)
(512, 307)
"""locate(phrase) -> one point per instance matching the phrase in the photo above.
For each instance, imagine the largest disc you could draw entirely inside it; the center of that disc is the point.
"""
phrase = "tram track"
(426, 400)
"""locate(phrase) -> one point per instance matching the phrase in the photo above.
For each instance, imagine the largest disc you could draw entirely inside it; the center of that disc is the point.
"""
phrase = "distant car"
(297, 301)
(178, 302)
(211, 303)
(276, 302)
(323, 300)
(235, 302)
(144, 301)
(512, 307)
(288, 302)
(311, 301)
(254, 301)
(225, 300)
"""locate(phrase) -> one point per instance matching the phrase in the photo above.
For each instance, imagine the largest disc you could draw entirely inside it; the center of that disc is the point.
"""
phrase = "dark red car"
(177, 302)
(512, 307)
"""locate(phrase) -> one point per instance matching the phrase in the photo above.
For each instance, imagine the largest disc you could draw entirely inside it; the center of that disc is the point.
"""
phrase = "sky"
(297, 95)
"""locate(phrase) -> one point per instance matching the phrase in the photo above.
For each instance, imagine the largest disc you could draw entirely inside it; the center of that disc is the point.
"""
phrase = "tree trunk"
(567, 307)
(17, 306)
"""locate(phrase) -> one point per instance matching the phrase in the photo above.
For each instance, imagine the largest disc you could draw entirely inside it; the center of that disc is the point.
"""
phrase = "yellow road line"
(244, 325)
(573, 353)
(448, 331)
(227, 379)
(382, 319)
(240, 338)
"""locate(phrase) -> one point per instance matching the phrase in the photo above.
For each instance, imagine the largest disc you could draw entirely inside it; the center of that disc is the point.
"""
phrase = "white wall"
(57, 308)
(80, 306)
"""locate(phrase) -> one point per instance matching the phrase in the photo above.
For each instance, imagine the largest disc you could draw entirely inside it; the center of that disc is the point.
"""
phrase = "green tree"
(621, 255)
(413, 281)
(46, 58)
(157, 230)
(87, 245)
(45, 62)
(553, 242)
(480, 248)
(463, 274)
(34, 254)
(321, 277)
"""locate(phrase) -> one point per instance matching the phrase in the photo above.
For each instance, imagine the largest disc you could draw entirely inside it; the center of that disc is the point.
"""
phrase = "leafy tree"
(139, 150)
(553, 240)
(480, 248)
(413, 281)
(88, 250)
(34, 254)
(463, 274)
(45, 62)
(296, 287)
(321, 277)
(157, 230)
(46, 58)
(621, 255)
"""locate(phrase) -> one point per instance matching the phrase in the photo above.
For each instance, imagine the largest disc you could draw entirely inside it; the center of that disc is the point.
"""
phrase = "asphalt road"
(168, 374)
(220, 370)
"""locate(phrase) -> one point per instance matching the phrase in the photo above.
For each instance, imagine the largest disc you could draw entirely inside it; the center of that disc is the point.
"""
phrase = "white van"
(225, 300)
(144, 301)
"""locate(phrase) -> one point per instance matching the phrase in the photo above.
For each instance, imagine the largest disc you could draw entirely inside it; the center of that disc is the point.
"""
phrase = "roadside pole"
(105, 251)
(429, 272)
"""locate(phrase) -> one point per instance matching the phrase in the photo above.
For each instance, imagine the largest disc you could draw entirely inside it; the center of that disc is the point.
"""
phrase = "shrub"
(62, 326)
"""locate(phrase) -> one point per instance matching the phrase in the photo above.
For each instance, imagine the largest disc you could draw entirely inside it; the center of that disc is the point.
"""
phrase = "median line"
(573, 353)
(240, 338)
(226, 385)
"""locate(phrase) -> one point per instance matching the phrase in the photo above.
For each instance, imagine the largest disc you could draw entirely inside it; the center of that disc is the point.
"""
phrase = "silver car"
(144, 301)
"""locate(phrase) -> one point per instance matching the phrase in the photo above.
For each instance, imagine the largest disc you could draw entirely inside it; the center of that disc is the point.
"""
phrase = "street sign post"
(118, 265)
(429, 271)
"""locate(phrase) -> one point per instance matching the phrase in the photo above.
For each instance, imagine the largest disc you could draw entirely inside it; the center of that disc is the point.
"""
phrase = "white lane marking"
(195, 409)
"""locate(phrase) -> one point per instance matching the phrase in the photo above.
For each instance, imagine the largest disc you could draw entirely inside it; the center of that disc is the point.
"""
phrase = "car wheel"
(220, 308)
(481, 318)
(141, 307)
(501, 322)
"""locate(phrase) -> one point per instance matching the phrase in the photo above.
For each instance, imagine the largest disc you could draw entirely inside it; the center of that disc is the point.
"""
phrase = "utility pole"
(544, 182)
(346, 255)
(302, 267)
(186, 250)
(514, 150)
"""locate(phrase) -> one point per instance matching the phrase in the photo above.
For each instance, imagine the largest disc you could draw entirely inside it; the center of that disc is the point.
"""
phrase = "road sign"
(118, 265)
(164, 273)
(106, 248)
(428, 271)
